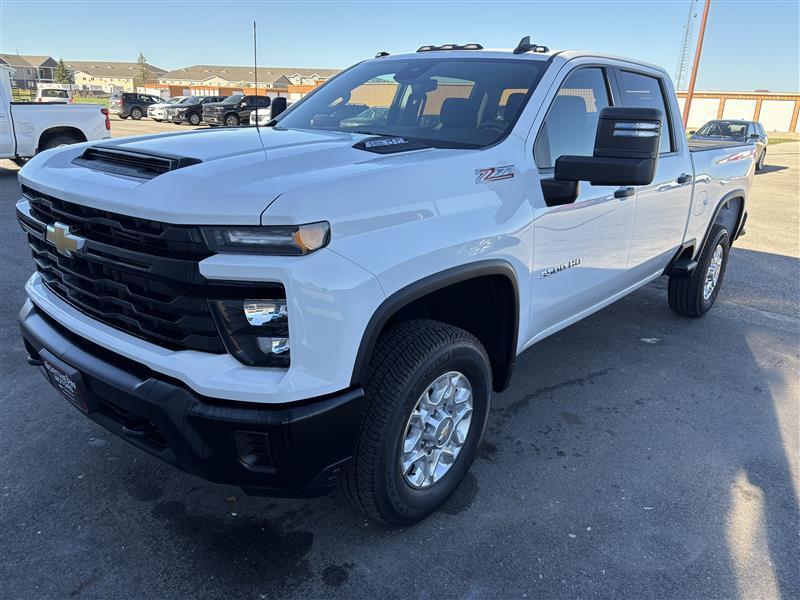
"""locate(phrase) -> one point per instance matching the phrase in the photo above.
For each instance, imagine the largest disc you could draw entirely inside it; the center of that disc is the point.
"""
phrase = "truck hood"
(237, 179)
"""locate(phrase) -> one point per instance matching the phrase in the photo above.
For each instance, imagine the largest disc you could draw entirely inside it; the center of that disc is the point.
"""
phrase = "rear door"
(662, 208)
(581, 248)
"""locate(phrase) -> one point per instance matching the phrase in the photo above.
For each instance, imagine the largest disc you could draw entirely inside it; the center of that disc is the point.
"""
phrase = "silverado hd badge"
(557, 269)
(494, 173)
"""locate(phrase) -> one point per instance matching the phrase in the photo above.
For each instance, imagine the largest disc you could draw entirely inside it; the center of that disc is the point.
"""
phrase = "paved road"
(126, 127)
(636, 455)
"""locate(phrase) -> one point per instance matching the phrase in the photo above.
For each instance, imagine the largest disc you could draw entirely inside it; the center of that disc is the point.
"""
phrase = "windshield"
(442, 102)
(192, 100)
(723, 129)
(176, 100)
(54, 94)
(235, 99)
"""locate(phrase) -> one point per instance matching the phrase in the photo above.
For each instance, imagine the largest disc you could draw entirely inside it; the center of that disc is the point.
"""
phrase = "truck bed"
(701, 145)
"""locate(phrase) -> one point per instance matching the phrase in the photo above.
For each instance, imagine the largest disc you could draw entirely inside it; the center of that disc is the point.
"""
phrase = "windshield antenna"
(255, 73)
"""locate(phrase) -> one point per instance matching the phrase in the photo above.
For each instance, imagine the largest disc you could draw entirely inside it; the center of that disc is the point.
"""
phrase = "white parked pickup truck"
(27, 128)
(291, 307)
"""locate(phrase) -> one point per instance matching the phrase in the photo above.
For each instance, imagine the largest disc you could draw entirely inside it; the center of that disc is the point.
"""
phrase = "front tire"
(231, 121)
(194, 119)
(694, 296)
(427, 400)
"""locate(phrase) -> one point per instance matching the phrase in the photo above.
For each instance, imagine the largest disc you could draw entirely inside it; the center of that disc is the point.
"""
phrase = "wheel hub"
(712, 274)
(436, 430)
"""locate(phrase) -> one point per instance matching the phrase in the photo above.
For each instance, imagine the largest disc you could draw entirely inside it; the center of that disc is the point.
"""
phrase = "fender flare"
(423, 287)
(724, 201)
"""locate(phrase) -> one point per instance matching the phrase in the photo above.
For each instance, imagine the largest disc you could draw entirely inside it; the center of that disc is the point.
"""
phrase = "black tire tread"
(398, 354)
(683, 293)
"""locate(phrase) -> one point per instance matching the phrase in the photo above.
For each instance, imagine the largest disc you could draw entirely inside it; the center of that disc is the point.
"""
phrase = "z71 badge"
(494, 173)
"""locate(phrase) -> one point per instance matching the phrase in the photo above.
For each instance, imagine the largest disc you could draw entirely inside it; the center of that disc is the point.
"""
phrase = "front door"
(580, 249)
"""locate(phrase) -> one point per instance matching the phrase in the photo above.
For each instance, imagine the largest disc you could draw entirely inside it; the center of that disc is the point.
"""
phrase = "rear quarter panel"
(31, 120)
(720, 174)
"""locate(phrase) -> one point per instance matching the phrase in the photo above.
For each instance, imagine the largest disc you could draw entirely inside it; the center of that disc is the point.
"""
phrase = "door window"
(571, 123)
(643, 91)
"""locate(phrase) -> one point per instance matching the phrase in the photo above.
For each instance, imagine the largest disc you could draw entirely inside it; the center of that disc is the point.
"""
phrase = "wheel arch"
(47, 134)
(730, 213)
(432, 294)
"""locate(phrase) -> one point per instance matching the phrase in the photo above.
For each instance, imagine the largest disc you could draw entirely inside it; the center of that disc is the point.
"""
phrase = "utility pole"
(690, 91)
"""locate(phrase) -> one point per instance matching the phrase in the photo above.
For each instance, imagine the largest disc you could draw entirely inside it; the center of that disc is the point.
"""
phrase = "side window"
(571, 123)
(643, 91)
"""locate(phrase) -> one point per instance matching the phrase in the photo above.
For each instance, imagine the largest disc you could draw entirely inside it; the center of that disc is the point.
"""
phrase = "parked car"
(234, 110)
(372, 116)
(736, 132)
(28, 128)
(157, 112)
(262, 116)
(302, 305)
(54, 94)
(128, 104)
(190, 110)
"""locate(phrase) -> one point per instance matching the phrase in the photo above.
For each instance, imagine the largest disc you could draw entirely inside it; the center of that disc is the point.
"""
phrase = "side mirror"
(278, 106)
(692, 132)
(754, 136)
(625, 150)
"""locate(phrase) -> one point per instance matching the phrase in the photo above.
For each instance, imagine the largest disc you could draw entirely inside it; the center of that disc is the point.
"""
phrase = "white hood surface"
(242, 171)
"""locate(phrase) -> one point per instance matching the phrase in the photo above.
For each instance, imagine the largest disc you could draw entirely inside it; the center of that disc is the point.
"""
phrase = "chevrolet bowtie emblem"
(65, 242)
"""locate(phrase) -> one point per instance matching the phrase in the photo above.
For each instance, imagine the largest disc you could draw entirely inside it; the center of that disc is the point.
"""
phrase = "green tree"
(142, 71)
(62, 74)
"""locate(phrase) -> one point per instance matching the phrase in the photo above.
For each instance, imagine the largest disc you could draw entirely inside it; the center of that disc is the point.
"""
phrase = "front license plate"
(65, 379)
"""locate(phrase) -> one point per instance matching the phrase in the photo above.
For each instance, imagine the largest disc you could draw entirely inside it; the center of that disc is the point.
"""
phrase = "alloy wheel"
(436, 430)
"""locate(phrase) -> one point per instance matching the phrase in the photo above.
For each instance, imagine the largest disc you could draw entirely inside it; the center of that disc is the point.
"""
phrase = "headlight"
(255, 332)
(285, 240)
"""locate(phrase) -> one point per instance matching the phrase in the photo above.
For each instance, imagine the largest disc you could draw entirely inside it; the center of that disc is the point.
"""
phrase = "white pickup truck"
(27, 128)
(289, 307)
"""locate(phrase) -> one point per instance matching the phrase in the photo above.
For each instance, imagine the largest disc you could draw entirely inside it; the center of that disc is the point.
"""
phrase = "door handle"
(684, 178)
(625, 192)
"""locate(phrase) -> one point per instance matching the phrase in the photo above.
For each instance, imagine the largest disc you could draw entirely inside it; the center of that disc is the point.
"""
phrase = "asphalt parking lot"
(636, 454)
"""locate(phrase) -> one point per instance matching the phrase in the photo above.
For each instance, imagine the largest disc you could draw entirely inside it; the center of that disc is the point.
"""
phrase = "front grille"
(136, 275)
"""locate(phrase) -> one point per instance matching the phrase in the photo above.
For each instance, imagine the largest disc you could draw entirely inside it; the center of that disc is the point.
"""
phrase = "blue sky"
(748, 45)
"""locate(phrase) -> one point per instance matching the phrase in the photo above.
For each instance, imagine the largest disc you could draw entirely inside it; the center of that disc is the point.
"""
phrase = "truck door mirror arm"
(625, 154)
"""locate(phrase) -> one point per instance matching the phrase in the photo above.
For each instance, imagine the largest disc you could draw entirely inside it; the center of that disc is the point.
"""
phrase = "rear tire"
(136, 113)
(694, 296)
(399, 409)
(122, 117)
(57, 141)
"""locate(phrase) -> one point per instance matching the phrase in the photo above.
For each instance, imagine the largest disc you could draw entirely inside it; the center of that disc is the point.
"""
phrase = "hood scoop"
(141, 165)
(388, 145)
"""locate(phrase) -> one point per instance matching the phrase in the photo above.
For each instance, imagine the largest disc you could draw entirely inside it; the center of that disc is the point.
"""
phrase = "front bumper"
(173, 118)
(294, 449)
(214, 118)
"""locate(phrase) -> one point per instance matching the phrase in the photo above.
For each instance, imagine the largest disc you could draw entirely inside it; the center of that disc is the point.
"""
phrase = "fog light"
(270, 345)
(254, 331)
(260, 312)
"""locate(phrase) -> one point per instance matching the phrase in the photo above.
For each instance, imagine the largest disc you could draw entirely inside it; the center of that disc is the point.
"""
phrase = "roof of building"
(232, 73)
(28, 60)
(117, 70)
